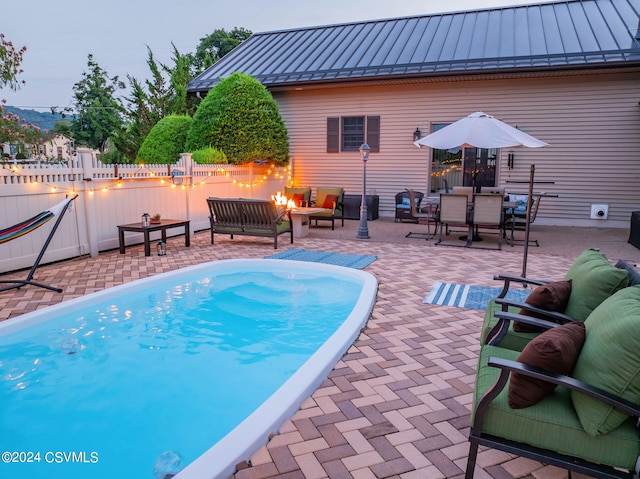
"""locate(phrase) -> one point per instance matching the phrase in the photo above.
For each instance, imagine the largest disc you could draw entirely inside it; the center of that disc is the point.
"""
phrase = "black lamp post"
(363, 230)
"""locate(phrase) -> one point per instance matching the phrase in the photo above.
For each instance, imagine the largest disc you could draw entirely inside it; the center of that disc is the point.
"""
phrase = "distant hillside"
(45, 120)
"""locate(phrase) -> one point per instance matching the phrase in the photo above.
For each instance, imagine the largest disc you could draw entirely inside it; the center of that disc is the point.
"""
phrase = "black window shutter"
(333, 135)
(373, 133)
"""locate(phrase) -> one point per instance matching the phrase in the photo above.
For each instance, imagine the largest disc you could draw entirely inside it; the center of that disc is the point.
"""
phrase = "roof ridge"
(424, 15)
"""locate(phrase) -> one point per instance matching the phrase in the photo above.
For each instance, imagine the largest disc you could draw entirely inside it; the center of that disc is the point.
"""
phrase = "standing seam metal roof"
(567, 34)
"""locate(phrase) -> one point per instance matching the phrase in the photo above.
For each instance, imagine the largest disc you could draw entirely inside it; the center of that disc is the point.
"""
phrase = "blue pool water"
(102, 386)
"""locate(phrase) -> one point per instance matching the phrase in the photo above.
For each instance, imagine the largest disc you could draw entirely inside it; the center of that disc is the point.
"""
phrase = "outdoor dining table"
(435, 201)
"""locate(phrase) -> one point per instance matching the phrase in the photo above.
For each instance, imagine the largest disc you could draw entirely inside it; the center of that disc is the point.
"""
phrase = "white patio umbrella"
(479, 130)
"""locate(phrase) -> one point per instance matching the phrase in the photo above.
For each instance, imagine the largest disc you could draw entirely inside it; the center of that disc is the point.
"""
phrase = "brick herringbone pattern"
(397, 405)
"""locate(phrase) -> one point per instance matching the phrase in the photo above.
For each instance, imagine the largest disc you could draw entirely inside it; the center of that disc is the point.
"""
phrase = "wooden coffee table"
(163, 226)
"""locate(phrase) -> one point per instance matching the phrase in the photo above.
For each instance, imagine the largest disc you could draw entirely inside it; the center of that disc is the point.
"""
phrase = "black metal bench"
(248, 217)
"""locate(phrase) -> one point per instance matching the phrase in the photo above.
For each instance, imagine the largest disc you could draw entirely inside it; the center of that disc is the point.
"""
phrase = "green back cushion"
(594, 279)
(322, 193)
(610, 360)
(290, 191)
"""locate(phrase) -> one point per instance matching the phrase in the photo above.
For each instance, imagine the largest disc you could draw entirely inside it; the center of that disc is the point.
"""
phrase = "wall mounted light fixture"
(417, 134)
(510, 160)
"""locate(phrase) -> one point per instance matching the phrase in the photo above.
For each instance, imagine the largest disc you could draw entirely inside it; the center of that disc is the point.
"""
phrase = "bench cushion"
(552, 423)
(610, 359)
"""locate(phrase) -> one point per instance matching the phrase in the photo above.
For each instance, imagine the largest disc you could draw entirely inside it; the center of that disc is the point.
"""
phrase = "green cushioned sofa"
(588, 422)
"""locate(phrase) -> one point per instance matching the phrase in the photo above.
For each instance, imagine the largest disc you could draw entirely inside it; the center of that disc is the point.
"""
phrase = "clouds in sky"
(60, 35)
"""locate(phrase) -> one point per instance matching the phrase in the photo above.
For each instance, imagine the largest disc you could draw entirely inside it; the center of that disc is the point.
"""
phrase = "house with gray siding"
(565, 72)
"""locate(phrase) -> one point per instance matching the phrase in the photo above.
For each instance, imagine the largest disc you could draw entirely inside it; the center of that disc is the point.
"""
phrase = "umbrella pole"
(526, 223)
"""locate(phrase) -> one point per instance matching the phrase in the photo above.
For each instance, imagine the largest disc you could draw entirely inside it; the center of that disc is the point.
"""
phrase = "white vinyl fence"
(110, 195)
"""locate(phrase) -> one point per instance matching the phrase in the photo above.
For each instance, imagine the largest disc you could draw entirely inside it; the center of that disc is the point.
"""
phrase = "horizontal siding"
(592, 123)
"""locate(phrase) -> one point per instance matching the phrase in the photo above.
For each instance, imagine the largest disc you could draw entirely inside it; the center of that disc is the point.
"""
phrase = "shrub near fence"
(109, 195)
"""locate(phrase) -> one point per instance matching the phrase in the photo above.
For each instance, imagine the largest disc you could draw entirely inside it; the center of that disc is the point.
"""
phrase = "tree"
(13, 130)
(99, 113)
(216, 45)
(150, 101)
(240, 117)
(10, 60)
(165, 141)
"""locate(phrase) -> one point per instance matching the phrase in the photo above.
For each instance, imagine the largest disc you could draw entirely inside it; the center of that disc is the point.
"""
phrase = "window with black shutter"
(333, 135)
(373, 133)
(348, 133)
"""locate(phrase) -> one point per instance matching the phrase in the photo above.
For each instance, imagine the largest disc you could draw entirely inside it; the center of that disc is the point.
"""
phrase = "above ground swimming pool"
(185, 372)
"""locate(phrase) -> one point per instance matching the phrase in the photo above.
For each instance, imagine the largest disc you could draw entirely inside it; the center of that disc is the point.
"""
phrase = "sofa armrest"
(533, 321)
(508, 279)
(551, 315)
(568, 382)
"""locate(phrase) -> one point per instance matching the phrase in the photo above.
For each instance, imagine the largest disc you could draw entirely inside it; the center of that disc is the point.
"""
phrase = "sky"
(60, 35)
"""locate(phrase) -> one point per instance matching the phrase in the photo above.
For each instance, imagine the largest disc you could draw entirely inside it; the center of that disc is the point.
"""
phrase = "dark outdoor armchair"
(403, 206)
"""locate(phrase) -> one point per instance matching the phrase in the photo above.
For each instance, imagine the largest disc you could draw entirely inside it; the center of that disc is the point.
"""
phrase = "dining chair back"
(487, 212)
(454, 210)
(464, 190)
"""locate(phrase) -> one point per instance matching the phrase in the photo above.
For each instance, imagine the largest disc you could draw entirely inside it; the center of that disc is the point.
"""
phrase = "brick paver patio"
(397, 404)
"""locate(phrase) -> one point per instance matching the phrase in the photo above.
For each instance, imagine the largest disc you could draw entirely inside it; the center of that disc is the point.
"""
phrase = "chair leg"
(471, 460)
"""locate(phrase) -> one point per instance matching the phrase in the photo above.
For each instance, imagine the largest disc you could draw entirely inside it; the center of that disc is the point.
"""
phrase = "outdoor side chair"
(454, 210)
(332, 200)
(427, 217)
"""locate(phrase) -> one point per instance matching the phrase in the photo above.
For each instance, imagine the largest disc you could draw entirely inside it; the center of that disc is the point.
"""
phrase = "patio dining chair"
(454, 210)
(487, 213)
(517, 219)
(428, 217)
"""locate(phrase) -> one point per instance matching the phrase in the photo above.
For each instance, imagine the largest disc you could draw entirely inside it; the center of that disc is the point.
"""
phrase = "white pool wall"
(221, 459)
(239, 445)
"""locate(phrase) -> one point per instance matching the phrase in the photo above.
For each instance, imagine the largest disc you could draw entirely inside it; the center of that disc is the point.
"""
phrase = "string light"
(119, 183)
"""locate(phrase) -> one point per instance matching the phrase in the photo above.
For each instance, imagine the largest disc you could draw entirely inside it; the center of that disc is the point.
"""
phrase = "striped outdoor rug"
(467, 296)
(357, 261)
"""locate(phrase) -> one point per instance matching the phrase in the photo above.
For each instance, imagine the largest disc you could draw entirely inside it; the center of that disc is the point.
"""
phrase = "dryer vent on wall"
(599, 212)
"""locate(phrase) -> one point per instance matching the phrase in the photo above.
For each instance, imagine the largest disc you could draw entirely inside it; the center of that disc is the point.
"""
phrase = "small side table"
(163, 226)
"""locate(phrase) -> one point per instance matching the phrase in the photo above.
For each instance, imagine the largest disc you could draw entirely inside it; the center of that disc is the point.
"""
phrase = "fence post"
(86, 155)
(187, 161)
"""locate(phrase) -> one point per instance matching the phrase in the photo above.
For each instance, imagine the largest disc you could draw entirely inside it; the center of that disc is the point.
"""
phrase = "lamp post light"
(363, 230)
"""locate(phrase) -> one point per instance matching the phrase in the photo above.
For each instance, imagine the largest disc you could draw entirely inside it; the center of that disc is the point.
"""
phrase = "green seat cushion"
(283, 226)
(594, 279)
(325, 213)
(512, 340)
(610, 359)
(552, 423)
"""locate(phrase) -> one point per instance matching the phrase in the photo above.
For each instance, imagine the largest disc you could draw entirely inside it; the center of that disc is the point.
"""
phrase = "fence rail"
(109, 195)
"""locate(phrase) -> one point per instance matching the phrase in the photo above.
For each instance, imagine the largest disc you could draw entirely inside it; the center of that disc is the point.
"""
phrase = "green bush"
(21, 156)
(209, 156)
(240, 117)
(165, 141)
